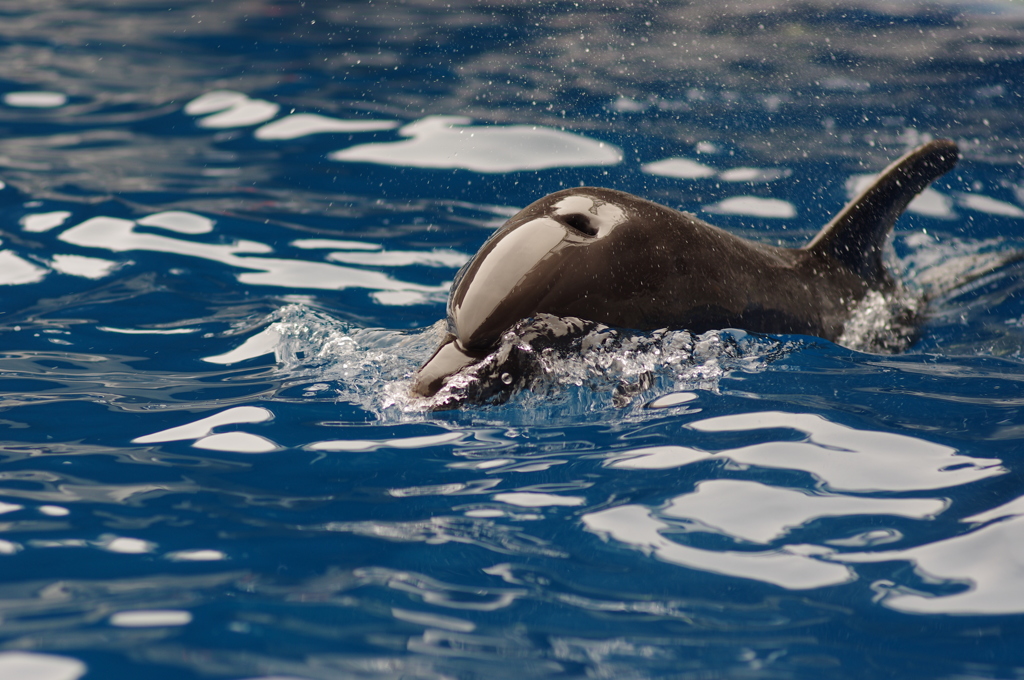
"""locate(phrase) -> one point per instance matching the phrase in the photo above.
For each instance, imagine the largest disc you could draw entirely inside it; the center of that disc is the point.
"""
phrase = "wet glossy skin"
(610, 257)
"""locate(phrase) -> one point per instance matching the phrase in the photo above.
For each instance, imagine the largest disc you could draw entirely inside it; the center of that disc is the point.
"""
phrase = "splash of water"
(332, 359)
(933, 276)
(570, 365)
(884, 322)
(580, 365)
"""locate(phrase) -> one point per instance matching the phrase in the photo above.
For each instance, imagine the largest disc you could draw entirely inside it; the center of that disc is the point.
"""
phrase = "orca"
(609, 257)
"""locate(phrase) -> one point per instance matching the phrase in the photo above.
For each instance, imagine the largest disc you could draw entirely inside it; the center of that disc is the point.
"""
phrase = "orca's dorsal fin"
(856, 235)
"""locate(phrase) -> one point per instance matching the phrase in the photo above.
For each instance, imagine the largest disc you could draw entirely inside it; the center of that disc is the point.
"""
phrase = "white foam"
(882, 322)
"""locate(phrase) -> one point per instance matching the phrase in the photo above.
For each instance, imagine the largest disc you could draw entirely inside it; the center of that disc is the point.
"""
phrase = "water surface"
(227, 232)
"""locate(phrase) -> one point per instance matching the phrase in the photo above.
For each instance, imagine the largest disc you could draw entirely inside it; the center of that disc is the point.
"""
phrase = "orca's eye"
(579, 222)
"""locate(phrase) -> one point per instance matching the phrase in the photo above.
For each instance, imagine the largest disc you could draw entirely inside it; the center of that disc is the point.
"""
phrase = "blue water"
(212, 304)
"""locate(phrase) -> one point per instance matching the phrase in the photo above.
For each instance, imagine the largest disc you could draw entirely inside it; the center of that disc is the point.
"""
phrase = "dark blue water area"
(227, 234)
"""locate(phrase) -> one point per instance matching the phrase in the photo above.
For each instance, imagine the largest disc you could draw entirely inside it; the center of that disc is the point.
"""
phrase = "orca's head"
(547, 258)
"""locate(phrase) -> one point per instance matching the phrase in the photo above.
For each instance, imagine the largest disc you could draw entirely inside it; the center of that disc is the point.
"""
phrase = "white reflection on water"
(842, 457)
(754, 205)
(39, 222)
(752, 175)
(329, 243)
(125, 545)
(672, 399)
(15, 270)
(302, 124)
(80, 265)
(120, 235)
(32, 666)
(401, 258)
(264, 342)
(9, 507)
(684, 168)
(200, 555)
(989, 561)
(421, 442)
(432, 620)
(148, 331)
(533, 499)
(35, 100)
(680, 168)
(236, 442)
(796, 567)
(230, 109)
(450, 142)
(989, 205)
(202, 432)
(53, 511)
(148, 618)
(179, 221)
(766, 513)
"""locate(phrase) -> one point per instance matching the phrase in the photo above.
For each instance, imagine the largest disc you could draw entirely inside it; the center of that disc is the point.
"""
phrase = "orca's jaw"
(448, 359)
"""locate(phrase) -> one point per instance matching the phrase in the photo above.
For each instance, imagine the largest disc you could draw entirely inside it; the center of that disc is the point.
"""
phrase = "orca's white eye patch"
(588, 214)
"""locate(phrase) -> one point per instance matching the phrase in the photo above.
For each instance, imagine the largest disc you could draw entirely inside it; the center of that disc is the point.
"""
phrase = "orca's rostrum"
(610, 257)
